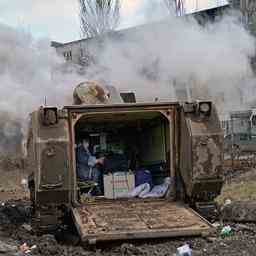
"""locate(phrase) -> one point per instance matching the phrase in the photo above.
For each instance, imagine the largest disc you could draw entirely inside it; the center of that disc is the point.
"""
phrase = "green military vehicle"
(180, 141)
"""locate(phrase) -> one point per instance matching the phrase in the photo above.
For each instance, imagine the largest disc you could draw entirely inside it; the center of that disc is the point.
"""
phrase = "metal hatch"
(137, 219)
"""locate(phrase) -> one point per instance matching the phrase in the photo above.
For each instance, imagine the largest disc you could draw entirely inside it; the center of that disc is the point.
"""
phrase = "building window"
(68, 55)
(236, 3)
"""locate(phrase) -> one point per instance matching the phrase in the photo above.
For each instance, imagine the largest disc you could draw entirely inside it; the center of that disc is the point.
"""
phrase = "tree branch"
(98, 16)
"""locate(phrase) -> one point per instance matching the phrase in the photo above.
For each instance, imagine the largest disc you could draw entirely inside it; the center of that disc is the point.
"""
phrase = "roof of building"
(122, 31)
(110, 33)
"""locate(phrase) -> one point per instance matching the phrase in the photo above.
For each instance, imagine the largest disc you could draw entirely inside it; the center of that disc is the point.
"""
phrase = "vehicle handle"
(51, 186)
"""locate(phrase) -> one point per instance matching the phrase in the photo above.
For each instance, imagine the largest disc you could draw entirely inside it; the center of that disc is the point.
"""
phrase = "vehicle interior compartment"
(129, 142)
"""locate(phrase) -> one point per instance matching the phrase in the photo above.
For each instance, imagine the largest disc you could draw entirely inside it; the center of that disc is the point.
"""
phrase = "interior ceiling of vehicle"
(119, 117)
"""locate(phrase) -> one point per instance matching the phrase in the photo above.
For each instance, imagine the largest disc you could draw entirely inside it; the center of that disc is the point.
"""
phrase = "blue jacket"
(84, 163)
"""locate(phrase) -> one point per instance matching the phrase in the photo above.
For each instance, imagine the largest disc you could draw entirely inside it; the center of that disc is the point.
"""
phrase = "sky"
(56, 19)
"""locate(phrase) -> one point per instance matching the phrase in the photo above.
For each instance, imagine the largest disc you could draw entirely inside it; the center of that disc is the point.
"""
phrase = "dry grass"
(242, 191)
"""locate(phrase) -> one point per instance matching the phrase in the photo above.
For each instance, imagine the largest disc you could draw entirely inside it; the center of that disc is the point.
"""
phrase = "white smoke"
(27, 69)
(153, 60)
(173, 52)
(28, 72)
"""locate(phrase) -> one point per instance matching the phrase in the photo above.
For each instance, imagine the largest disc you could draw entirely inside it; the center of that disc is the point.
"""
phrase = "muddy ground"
(13, 233)
(15, 228)
(12, 172)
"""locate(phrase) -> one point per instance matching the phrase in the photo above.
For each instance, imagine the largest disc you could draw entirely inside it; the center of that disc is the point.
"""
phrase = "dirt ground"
(12, 173)
(15, 227)
(10, 185)
(13, 233)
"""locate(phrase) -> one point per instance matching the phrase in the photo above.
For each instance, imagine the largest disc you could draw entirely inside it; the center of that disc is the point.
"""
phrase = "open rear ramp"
(136, 219)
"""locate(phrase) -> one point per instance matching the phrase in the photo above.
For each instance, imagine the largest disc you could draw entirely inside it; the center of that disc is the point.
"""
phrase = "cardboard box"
(118, 184)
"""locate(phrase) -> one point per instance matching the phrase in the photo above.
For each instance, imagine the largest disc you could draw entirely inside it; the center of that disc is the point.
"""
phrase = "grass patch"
(243, 191)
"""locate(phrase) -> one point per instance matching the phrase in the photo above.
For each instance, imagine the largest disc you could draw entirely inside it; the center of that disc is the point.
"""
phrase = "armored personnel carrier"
(182, 141)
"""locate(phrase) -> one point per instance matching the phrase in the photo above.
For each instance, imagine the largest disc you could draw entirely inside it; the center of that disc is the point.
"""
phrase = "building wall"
(85, 51)
(193, 6)
(73, 51)
(236, 3)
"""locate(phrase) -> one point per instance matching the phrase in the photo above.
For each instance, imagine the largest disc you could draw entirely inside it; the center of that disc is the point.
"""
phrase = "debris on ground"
(216, 224)
(130, 249)
(184, 250)
(15, 230)
(227, 202)
(27, 227)
(9, 162)
(211, 239)
(14, 234)
(226, 231)
(243, 227)
(6, 248)
(244, 211)
(14, 213)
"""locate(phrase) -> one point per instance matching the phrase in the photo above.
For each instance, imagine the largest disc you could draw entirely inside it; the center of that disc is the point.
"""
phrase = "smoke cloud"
(30, 73)
(155, 60)
(159, 59)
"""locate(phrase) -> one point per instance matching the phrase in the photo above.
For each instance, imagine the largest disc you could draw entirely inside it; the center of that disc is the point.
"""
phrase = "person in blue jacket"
(86, 163)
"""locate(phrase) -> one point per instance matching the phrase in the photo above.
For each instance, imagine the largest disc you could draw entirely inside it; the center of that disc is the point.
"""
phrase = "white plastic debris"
(33, 247)
(227, 202)
(184, 250)
(216, 224)
(24, 184)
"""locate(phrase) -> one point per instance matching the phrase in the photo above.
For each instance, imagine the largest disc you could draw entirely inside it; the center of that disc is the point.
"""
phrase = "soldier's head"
(85, 139)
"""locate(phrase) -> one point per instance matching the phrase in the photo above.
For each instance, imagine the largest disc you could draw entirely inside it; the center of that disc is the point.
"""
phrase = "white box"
(118, 184)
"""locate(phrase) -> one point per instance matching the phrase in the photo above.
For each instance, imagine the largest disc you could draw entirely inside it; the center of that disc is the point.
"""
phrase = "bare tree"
(248, 9)
(175, 6)
(98, 16)
(169, 4)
